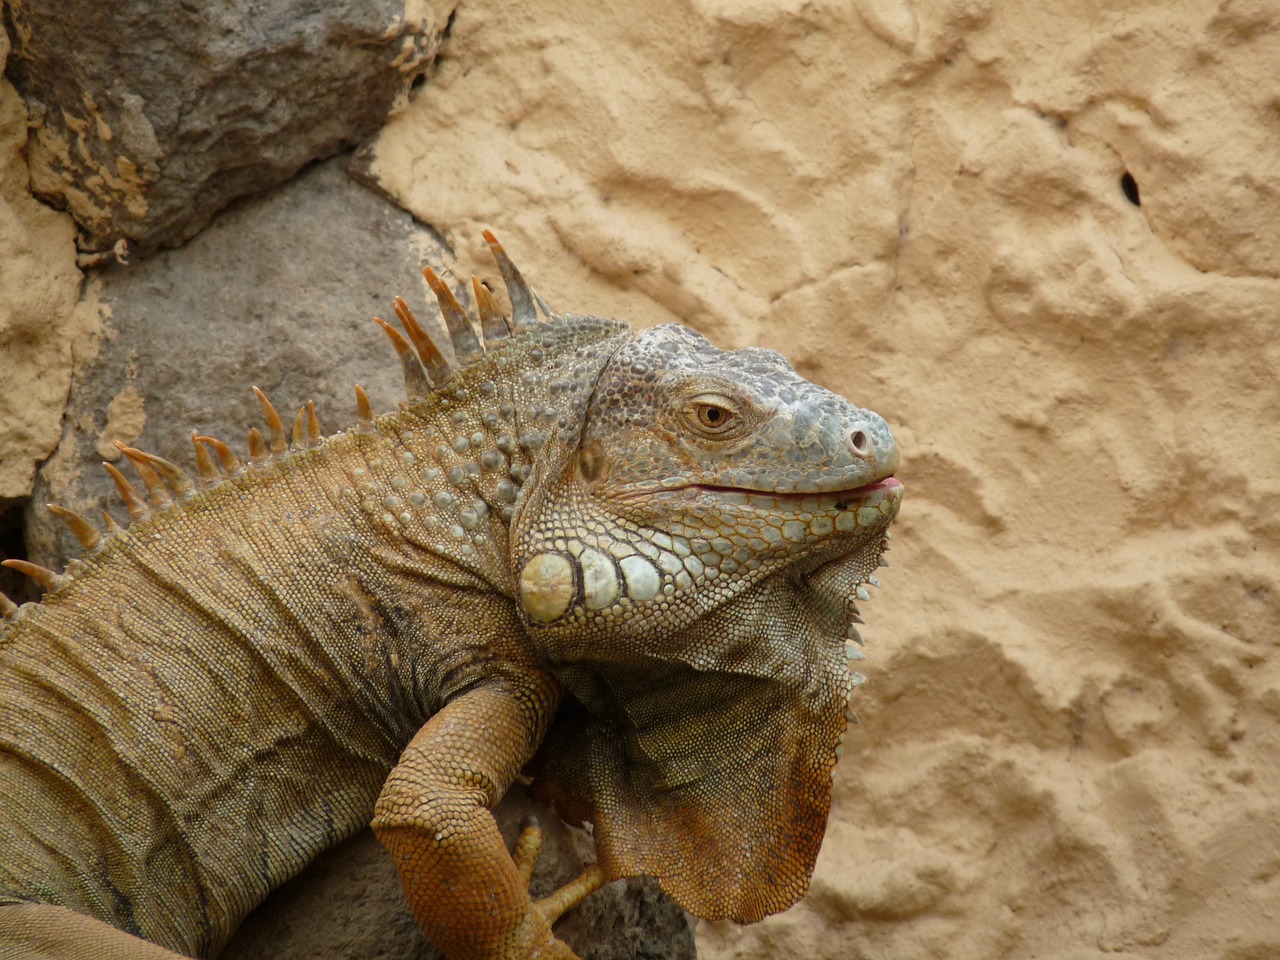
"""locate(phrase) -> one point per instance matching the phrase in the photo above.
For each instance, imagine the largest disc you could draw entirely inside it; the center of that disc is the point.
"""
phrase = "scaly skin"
(625, 560)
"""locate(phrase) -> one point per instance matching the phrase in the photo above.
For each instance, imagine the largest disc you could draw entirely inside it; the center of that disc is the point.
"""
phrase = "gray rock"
(151, 117)
(348, 903)
(277, 293)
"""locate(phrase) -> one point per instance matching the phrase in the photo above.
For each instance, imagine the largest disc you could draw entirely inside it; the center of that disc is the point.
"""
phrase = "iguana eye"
(712, 416)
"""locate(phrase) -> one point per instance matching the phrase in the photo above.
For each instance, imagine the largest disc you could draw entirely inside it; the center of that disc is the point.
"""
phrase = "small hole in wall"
(1130, 188)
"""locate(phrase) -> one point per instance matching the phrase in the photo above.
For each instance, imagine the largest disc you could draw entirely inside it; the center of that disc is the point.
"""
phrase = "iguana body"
(630, 554)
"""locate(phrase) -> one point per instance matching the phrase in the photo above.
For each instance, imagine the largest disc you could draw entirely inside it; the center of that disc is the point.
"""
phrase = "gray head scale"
(699, 473)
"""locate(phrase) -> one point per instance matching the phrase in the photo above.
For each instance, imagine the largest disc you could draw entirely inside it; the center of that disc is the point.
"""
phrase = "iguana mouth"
(840, 499)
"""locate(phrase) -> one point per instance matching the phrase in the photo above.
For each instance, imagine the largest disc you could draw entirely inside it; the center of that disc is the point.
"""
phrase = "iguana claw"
(552, 908)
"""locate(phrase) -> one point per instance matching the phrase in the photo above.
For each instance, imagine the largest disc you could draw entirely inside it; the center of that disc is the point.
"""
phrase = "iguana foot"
(551, 908)
(469, 894)
(528, 846)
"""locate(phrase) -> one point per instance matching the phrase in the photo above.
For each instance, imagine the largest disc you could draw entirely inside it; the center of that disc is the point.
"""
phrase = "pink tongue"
(885, 484)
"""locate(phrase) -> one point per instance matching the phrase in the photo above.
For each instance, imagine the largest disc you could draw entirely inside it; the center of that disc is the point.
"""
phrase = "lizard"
(623, 562)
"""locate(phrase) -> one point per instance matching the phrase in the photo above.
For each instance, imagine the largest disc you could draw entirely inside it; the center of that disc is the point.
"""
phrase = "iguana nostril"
(860, 443)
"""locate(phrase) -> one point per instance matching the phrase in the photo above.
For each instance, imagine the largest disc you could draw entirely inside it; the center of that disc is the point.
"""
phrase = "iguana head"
(699, 473)
(685, 530)
(688, 566)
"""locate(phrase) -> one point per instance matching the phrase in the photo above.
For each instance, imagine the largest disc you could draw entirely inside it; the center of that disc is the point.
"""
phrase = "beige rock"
(39, 285)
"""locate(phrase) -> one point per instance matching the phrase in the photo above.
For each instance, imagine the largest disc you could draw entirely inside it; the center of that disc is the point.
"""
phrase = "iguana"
(623, 562)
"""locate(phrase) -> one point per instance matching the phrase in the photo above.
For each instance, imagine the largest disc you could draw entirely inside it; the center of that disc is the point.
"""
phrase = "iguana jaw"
(869, 494)
(867, 507)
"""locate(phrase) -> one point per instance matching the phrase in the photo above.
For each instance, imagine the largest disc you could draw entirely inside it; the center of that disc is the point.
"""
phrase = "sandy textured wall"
(1071, 723)
(1069, 734)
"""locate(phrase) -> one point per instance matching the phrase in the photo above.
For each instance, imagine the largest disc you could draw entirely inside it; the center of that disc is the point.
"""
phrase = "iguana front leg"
(468, 894)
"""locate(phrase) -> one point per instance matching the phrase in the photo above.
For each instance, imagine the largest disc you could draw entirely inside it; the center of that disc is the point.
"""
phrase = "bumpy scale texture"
(626, 562)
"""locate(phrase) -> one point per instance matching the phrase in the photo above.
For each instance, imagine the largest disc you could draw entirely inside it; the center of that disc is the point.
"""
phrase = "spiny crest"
(166, 483)
(425, 367)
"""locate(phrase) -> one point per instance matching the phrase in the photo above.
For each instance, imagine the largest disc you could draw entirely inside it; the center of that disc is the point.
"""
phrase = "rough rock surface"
(151, 117)
(39, 285)
(1041, 239)
(343, 905)
(277, 293)
(1070, 727)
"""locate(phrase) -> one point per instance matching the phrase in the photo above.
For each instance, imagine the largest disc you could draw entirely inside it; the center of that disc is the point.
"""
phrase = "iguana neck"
(468, 457)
